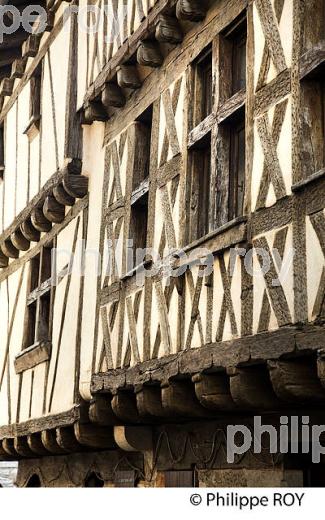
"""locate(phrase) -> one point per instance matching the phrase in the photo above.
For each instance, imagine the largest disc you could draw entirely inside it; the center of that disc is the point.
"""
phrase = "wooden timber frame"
(270, 371)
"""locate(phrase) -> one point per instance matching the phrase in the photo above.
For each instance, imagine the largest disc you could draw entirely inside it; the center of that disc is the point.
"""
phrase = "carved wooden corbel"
(251, 388)
(133, 438)
(53, 210)
(168, 30)
(112, 96)
(213, 391)
(149, 55)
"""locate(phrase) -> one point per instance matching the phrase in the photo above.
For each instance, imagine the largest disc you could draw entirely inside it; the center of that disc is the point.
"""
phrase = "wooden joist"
(66, 439)
(36, 445)
(112, 96)
(39, 221)
(18, 68)
(133, 438)
(149, 54)
(168, 30)
(94, 436)
(192, 10)
(9, 449)
(19, 240)
(100, 411)
(30, 46)
(22, 448)
(50, 443)
(213, 391)
(127, 77)
(9, 250)
(251, 388)
(94, 111)
(296, 381)
(53, 210)
(62, 197)
(4, 260)
(149, 401)
(179, 399)
(29, 231)
(6, 87)
(124, 406)
(76, 185)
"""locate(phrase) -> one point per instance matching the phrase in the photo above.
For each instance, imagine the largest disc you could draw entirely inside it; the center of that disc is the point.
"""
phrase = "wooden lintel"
(53, 210)
(32, 356)
(149, 54)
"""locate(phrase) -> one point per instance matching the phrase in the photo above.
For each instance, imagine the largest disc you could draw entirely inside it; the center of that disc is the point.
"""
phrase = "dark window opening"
(140, 194)
(313, 125)
(2, 150)
(200, 164)
(203, 87)
(35, 94)
(139, 225)
(34, 482)
(94, 481)
(180, 479)
(234, 48)
(237, 168)
(37, 318)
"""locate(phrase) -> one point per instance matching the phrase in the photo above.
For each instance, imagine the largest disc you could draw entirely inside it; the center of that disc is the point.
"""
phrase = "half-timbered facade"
(162, 240)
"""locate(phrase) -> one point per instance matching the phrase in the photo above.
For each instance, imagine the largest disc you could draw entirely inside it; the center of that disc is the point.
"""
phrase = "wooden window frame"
(139, 211)
(200, 186)
(313, 124)
(228, 107)
(203, 87)
(36, 347)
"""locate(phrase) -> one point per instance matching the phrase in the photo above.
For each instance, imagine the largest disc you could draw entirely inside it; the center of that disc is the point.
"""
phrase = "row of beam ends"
(273, 386)
(50, 209)
(167, 30)
(125, 419)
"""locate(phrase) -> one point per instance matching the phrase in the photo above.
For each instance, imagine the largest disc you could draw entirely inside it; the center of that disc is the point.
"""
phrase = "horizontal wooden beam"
(260, 347)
